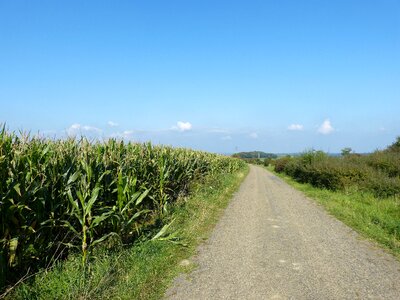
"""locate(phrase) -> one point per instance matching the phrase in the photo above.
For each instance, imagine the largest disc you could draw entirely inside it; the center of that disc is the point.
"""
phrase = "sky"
(221, 76)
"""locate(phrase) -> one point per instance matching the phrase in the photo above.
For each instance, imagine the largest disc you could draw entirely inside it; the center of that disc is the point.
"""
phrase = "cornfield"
(58, 195)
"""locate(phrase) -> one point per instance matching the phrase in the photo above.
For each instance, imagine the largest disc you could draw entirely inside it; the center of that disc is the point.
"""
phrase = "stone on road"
(274, 243)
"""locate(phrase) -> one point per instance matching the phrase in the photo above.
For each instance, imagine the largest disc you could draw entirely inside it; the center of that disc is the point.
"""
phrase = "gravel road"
(274, 243)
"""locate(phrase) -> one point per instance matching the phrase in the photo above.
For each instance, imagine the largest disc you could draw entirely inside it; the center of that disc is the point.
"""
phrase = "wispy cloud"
(218, 130)
(126, 134)
(326, 127)
(295, 127)
(112, 124)
(254, 135)
(77, 128)
(226, 138)
(183, 126)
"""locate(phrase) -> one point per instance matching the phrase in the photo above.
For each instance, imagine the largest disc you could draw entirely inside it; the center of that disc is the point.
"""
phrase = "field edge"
(147, 269)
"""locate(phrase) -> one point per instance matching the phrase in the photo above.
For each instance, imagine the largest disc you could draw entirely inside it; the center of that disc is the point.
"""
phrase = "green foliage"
(254, 161)
(386, 161)
(346, 151)
(144, 269)
(281, 163)
(382, 185)
(378, 172)
(57, 196)
(395, 147)
(267, 162)
(254, 154)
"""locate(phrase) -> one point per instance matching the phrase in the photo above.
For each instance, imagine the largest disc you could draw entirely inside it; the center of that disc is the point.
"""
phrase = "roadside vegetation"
(254, 154)
(256, 157)
(361, 190)
(80, 213)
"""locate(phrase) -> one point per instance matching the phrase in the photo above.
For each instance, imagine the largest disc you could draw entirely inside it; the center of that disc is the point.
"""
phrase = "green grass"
(145, 270)
(377, 219)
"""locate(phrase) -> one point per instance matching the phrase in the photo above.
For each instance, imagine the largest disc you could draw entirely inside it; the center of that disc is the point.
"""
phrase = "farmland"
(64, 197)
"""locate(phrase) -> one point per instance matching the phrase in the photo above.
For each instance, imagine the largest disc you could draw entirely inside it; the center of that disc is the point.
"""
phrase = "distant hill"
(254, 154)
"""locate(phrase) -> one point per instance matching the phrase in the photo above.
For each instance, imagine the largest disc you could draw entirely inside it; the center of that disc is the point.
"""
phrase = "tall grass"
(68, 195)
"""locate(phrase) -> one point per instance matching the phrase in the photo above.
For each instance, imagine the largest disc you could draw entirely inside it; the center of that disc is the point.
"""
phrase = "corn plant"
(82, 210)
(60, 195)
(127, 211)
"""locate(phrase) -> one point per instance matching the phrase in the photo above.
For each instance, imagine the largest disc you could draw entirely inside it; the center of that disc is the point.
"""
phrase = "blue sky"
(222, 76)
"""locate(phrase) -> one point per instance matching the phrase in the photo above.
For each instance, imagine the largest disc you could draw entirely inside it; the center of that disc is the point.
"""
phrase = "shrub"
(267, 162)
(385, 161)
(281, 163)
(377, 173)
(395, 147)
(382, 186)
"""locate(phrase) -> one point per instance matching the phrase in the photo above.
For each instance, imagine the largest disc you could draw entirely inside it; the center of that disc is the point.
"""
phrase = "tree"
(346, 151)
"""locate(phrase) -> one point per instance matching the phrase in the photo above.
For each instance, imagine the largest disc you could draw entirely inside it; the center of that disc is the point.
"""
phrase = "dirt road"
(274, 243)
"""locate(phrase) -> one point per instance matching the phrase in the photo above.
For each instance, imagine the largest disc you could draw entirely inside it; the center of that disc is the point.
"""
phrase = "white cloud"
(127, 134)
(297, 127)
(75, 126)
(326, 127)
(218, 130)
(226, 138)
(73, 129)
(91, 128)
(183, 126)
(76, 129)
(254, 135)
(112, 124)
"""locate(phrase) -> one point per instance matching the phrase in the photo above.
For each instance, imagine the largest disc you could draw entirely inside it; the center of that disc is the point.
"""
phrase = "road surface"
(274, 243)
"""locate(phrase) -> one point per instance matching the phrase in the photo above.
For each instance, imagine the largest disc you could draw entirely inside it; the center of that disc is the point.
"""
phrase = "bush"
(254, 161)
(382, 186)
(395, 147)
(267, 162)
(378, 173)
(281, 163)
(387, 162)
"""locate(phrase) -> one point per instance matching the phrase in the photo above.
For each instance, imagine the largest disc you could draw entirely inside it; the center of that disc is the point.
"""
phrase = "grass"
(377, 219)
(146, 269)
